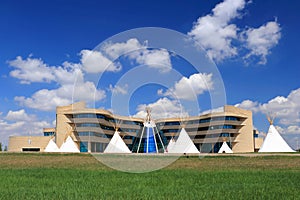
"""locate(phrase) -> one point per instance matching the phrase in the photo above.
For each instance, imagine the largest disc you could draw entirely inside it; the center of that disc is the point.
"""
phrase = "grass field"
(81, 176)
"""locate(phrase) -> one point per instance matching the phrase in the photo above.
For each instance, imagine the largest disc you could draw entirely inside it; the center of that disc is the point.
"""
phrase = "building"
(92, 129)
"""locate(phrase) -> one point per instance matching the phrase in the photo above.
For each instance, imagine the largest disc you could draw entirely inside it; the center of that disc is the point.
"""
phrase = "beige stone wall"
(258, 142)
(63, 127)
(16, 143)
(244, 140)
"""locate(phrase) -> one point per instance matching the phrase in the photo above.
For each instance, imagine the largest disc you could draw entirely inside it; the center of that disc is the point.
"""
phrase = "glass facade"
(151, 142)
(211, 119)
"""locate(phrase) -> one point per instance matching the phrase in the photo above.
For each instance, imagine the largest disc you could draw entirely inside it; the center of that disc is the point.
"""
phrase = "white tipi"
(170, 145)
(116, 145)
(69, 146)
(225, 148)
(51, 146)
(183, 144)
(273, 142)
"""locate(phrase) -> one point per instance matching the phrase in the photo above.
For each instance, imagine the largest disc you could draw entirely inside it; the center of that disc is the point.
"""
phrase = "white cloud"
(248, 105)
(49, 99)
(190, 88)
(139, 52)
(153, 58)
(65, 76)
(20, 123)
(223, 39)
(114, 50)
(96, 62)
(19, 115)
(214, 110)
(118, 89)
(215, 33)
(293, 129)
(287, 109)
(31, 70)
(162, 108)
(260, 40)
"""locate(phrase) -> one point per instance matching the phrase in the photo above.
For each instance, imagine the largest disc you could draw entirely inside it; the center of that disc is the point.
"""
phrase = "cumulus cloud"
(293, 129)
(47, 100)
(222, 39)
(285, 109)
(153, 58)
(114, 50)
(248, 105)
(31, 70)
(119, 89)
(260, 40)
(215, 33)
(19, 115)
(20, 123)
(162, 108)
(189, 88)
(140, 53)
(96, 62)
(65, 76)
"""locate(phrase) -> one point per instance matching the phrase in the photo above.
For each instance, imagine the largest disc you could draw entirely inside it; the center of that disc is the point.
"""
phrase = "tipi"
(183, 144)
(69, 146)
(274, 142)
(149, 139)
(170, 145)
(116, 145)
(51, 147)
(225, 148)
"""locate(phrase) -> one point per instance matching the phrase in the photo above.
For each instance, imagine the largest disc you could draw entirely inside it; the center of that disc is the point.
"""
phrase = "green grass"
(51, 176)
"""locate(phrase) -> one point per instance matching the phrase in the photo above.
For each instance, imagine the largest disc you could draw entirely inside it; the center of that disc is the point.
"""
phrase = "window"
(30, 149)
(49, 133)
(83, 147)
(89, 115)
(172, 123)
(88, 125)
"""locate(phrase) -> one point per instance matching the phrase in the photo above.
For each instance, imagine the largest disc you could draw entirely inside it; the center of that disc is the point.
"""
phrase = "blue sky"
(47, 45)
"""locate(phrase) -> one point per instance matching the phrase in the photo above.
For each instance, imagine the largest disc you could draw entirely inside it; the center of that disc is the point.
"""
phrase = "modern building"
(92, 130)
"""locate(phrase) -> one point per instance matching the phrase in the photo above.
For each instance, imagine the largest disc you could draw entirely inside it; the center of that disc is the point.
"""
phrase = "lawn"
(81, 176)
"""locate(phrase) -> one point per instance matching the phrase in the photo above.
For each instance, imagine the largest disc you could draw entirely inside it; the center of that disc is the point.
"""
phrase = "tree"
(0, 146)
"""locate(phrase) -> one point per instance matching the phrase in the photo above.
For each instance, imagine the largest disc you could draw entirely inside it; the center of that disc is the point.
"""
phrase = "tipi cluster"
(68, 146)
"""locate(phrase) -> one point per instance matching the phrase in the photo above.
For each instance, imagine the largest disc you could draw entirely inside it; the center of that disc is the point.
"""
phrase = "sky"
(54, 53)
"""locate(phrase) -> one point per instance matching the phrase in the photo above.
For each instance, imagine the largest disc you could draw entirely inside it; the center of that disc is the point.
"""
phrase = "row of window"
(94, 146)
(49, 133)
(228, 118)
(89, 133)
(95, 125)
(214, 135)
(100, 116)
(225, 126)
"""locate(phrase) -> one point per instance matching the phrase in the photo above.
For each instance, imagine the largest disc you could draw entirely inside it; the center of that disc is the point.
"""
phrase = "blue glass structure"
(149, 142)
